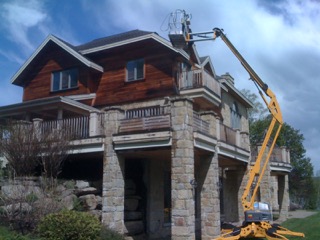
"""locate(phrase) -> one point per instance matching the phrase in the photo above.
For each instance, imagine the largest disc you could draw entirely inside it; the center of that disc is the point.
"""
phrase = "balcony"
(201, 86)
(150, 126)
(77, 128)
(145, 119)
(279, 160)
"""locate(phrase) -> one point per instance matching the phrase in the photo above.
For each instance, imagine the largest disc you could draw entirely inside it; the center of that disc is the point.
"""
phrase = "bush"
(70, 225)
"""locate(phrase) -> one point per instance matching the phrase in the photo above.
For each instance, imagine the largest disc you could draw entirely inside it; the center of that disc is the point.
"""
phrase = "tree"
(27, 145)
(258, 111)
(301, 185)
(20, 147)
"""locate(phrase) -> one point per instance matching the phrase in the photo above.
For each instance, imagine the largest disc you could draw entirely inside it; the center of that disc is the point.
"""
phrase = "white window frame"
(64, 85)
(133, 69)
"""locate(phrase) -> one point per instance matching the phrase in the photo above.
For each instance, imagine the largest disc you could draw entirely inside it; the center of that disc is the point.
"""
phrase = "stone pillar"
(113, 187)
(238, 138)
(182, 170)
(242, 173)
(37, 126)
(218, 127)
(208, 185)
(284, 200)
(94, 127)
(245, 140)
(210, 117)
(274, 193)
(232, 183)
(265, 185)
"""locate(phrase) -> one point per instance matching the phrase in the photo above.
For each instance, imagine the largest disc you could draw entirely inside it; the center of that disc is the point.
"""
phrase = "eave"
(45, 104)
(229, 87)
(16, 79)
(134, 40)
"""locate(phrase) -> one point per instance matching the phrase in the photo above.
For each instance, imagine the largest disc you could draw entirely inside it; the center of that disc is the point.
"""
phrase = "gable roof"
(17, 78)
(97, 45)
(206, 60)
(111, 40)
(123, 39)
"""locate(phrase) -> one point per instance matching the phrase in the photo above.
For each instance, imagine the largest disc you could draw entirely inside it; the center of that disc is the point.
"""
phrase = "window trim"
(135, 69)
(61, 82)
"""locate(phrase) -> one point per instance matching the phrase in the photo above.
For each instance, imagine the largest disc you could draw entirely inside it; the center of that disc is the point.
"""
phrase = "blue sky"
(280, 39)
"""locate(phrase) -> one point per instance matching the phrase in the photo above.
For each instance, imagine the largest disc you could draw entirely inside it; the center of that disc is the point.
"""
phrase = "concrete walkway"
(301, 213)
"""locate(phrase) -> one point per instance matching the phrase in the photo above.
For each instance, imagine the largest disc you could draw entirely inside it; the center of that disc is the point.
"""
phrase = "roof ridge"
(112, 39)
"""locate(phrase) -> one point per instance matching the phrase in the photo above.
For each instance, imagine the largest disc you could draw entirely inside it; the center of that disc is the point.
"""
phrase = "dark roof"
(112, 39)
(202, 59)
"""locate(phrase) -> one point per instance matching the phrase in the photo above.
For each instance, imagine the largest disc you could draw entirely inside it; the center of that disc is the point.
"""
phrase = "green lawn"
(5, 234)
(310, 226)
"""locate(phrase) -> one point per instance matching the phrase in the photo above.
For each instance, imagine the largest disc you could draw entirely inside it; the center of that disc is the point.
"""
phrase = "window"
(235, 116)
(135, 70)
(64, 79)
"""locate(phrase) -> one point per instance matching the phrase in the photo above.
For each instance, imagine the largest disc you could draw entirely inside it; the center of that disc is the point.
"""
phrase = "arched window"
(235, 116)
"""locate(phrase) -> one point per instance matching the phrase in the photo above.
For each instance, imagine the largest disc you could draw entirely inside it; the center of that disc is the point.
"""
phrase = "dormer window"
(66, 79)
(135, 70)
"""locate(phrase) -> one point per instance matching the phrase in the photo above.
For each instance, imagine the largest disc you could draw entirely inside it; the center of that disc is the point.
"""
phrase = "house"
(166, 137)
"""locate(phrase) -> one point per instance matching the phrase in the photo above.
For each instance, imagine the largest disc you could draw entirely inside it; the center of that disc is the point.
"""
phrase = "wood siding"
(110, 87)
(38, 81)
(157, 82)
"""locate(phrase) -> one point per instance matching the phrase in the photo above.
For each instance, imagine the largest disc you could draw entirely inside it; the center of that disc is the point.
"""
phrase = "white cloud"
(279, 39)
(18, 17)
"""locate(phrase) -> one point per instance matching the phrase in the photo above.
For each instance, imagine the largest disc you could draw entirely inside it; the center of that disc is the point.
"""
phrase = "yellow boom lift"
(258, 216)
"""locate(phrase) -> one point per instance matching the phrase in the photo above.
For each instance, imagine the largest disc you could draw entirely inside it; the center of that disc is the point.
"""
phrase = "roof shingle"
(112, 39)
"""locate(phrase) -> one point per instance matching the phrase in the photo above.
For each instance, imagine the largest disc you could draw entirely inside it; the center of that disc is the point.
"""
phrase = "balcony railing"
(197, 79)
(278, 155)
(199, 124)
(228, 135)
(76, 128)
(145, 123)
(145, 119)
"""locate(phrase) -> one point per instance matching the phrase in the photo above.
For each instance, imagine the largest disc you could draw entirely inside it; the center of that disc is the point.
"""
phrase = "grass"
(6, 234)
(310, 226)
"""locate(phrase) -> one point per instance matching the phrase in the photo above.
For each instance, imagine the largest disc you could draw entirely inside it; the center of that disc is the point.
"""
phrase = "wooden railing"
(144, 112)
(278, 155)
(199, 78)
(228, 135)
(199, 124)
(76, 128)
(144, 123)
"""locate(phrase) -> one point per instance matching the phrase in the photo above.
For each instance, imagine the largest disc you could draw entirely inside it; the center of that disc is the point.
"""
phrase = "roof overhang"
(153, 36)
(45, 104)
(230, 88)
(17, 79)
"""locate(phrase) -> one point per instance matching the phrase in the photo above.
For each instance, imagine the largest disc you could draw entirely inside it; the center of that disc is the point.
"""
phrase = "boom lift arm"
(256, 224)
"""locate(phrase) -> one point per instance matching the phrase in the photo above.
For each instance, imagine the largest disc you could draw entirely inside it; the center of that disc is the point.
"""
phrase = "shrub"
(70, 225)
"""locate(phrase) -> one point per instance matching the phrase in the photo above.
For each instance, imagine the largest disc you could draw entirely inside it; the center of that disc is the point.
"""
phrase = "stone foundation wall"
(32, 193)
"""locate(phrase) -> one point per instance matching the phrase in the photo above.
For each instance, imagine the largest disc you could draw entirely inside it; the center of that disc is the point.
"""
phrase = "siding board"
(110, 87)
